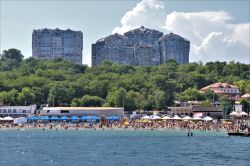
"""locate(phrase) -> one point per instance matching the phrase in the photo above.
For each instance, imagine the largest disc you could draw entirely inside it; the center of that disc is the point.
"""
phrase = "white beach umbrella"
(196, 118)
(186, 118)
(1, 118)
(156, 117)
(166, 117)
(243, 113)
(176, 117)
(8, 118)
(146, 117)
(208, 118)
(233, 113)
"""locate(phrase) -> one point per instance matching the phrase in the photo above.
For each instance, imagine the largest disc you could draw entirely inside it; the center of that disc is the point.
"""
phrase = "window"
(24, 111)
(14, 110)
(64, 111)
(9, 110)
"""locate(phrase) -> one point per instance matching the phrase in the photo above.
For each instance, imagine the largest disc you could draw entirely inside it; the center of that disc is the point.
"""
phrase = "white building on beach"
(17, 111)
(81, 111)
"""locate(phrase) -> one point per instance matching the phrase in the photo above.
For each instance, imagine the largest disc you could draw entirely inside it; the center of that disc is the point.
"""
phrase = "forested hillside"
(58, 82)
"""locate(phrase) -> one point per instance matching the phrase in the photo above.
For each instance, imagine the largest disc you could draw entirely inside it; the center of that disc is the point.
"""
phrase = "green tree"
(26, 97)
(9, 98)
(88, 101)
(12, 54)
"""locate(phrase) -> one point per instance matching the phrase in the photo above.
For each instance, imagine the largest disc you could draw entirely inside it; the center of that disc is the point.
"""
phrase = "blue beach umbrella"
(114, 117)
(95, 118)
(65, 118)
(44, 118)
(89, 117)
(108, 118)
(84, 118)
(74, 118)
(33, 118)
(54, 118)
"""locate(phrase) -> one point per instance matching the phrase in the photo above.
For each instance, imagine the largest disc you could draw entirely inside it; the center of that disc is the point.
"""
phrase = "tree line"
(63, 83)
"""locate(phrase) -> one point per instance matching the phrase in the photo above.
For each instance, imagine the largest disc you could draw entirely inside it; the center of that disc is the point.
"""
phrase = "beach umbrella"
(196, 118)
(44, 118)
(243, 113)
(65, 118)
(74, 118)
(114, 117)
(146, 117)
(33, 118)
(95, 118)
(166, 118)
(186, 118)
(176, 118)
(208, 118)
(1, 118)
(84, 117)
(156, 117)
(233, 113)
(54, 118)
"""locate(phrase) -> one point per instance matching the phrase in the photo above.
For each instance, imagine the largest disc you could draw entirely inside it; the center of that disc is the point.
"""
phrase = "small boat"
(239, 134)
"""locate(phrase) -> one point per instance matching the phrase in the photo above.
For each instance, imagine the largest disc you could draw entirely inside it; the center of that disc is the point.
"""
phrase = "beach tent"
(208, 118)
(155, 117)
(186, 118)
(74, 118)
(176, 118)
(146, 117)
(65, 118)
(198, 114)
(33, 118)
(54, 118)
(21, 120)
(166, 118)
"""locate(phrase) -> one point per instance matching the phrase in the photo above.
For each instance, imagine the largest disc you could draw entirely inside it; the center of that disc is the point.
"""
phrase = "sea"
(37, 147)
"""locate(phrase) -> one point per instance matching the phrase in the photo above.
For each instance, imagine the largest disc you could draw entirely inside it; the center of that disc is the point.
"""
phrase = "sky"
(217, 29)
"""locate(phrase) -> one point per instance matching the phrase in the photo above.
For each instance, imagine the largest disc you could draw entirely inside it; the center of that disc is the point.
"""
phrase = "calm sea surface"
(37, 147)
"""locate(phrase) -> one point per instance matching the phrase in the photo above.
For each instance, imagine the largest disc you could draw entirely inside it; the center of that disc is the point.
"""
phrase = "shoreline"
(107, 129)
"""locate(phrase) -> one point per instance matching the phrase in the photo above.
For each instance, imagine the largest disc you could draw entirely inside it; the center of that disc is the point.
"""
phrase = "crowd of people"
(125, 123)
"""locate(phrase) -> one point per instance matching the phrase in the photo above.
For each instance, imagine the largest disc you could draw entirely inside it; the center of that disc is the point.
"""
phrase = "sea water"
(117, 147)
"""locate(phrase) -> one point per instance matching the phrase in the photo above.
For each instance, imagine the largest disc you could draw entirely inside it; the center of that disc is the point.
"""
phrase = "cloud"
(212, 36)
(150, 13)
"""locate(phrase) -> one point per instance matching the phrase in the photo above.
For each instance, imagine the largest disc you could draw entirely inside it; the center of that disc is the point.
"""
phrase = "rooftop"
(219, 85)
(81, 108)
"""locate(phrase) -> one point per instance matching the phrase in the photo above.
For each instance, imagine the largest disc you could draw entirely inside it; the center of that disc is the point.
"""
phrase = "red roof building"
(224, 89)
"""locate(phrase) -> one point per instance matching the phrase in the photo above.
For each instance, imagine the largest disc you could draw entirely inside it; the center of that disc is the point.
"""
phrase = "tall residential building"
(174, 47)
(56, 43)
(139, 47)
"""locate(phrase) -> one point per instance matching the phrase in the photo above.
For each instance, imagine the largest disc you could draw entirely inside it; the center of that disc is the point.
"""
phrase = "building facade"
(139, 47)
(56, 43)
(17, 111)
(215, 112)
(174, 47)
(81, 111)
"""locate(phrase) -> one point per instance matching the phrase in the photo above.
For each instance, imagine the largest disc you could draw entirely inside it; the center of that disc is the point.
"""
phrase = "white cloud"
(212, 37)
(211, 34)
(150, 13)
